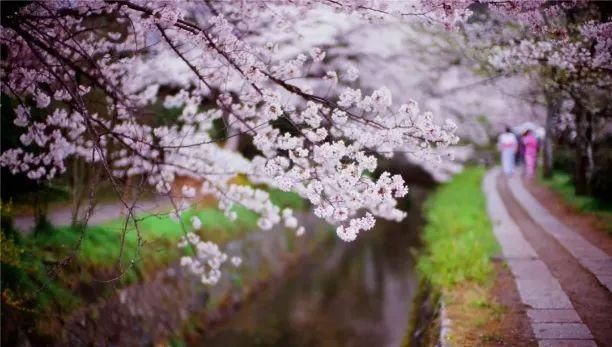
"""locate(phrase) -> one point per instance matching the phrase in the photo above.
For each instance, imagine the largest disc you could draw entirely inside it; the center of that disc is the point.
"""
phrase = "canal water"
(344, 294)
(333, 293)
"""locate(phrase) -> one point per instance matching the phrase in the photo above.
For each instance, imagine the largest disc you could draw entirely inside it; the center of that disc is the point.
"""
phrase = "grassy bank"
(561, 183)
(100, 246)
(458, 243)
(47, 274)
(56, 262)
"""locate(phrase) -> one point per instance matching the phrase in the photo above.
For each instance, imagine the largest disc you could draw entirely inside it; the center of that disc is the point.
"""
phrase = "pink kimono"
(530, 144)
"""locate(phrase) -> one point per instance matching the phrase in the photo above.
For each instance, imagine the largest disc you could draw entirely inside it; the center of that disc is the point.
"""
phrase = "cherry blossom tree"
(89, 78)
(565, 47)
(87, 74)
(398, 53)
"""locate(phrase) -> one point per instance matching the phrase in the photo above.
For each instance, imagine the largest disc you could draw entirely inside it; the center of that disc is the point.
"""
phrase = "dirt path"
(103, 212)
(514, 324)
(591, 300)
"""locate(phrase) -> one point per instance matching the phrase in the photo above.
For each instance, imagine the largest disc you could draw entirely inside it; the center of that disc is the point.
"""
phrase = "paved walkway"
(552, 314)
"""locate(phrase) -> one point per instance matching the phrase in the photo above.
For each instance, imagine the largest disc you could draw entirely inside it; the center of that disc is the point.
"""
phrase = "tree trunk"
(40, 213)
(75, 193)
(127, 194)
(80, 182)
(552, 108)
(584, 151)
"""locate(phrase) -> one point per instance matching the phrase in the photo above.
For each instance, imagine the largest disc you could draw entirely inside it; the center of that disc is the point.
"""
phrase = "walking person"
(530, 143)
(520, 150)
(507, 145)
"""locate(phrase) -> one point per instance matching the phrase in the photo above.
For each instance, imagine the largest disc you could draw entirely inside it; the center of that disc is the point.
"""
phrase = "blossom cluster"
(207, 260)
(320, 143)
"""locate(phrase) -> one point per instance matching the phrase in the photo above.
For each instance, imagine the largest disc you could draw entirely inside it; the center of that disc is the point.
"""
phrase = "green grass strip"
(458, 239)
(561, 183)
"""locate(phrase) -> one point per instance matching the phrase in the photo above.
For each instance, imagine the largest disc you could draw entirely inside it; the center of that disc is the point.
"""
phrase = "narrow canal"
(344, 294)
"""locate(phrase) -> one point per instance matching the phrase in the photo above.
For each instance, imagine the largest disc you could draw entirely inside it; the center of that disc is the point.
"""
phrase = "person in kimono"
(530, 142)
(507, 145)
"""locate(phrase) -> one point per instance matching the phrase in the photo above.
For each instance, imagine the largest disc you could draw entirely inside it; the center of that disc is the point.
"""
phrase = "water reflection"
(355, 294)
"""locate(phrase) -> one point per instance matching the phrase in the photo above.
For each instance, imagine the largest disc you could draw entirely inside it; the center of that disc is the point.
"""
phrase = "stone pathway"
(589, 256)
(553, 318)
